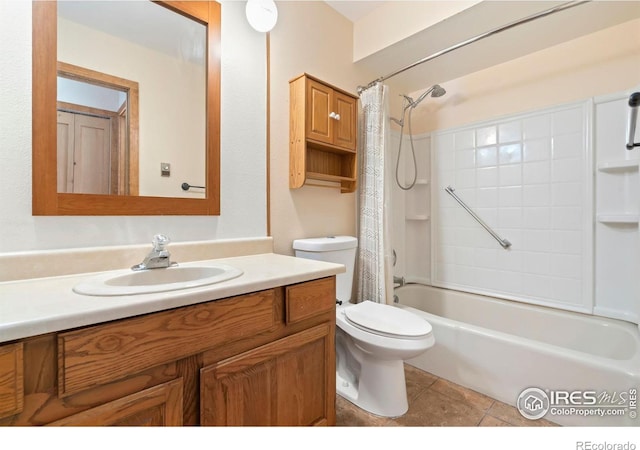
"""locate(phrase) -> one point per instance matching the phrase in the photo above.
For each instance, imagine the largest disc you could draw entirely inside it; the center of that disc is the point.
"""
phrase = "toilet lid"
(387, 319)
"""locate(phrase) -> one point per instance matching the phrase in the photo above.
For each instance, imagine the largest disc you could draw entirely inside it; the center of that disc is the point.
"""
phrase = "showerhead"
(436, 91)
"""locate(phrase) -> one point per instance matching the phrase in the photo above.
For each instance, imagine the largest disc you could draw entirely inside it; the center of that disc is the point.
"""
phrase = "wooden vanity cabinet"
(280, 383)
(323, 134)
(264, 358)
(290, 381)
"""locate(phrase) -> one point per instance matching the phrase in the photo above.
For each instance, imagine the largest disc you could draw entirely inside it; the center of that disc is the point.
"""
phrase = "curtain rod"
(513, 24)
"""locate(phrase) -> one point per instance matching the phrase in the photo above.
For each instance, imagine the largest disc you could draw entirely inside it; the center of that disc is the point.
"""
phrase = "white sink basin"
(128, 282)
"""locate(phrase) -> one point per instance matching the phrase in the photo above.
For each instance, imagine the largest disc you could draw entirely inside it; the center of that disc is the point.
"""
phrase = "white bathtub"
(499, 348)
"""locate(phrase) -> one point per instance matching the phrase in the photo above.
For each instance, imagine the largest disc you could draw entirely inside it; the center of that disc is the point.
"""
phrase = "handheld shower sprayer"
(408, 103)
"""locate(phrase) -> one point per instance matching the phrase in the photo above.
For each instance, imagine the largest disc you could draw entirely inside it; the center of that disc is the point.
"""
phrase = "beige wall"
(310, 37)
(401, 19)
(600, 63)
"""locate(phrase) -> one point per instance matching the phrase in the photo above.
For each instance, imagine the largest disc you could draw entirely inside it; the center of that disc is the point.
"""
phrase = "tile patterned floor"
(435, 401)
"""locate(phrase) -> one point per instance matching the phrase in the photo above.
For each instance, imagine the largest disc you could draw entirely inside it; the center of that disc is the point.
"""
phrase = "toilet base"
(381, 389)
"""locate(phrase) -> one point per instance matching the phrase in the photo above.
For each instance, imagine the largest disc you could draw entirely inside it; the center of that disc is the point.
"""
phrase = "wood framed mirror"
(46, 200)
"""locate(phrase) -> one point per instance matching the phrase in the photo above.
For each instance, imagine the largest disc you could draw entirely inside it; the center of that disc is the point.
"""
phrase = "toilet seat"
(386, 320)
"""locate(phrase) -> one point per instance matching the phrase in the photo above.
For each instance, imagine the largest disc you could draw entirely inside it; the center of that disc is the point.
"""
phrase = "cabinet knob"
(332, 115)
(337, 117)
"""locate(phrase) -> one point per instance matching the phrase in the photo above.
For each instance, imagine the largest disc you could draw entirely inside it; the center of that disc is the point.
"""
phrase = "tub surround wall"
(617, 209)
(598, 64)
(527, 176)
(411, 209)
(535, 178)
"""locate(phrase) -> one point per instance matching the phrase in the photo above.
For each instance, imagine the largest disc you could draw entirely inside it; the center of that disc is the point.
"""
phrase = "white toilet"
(372, 339)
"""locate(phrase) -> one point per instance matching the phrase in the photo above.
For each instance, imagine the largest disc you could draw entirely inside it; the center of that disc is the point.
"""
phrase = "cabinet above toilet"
(322, 134)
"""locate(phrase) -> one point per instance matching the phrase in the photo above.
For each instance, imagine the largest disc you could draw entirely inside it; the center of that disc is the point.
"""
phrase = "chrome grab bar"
(634, 103)
(503, 242)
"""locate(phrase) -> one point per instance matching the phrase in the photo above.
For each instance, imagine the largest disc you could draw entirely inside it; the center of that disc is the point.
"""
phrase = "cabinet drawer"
(11, 380)
(156, 406)
(306, 300)
(100, 354)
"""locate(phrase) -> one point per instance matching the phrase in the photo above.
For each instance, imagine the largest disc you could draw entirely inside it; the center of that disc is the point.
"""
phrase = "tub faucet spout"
(399, 281)
(159, 257)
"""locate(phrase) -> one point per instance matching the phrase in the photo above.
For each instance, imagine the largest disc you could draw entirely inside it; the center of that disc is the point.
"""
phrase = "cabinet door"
(287, 382)
(157, 406)
(11, 379)
(345, 125)
(319, 105)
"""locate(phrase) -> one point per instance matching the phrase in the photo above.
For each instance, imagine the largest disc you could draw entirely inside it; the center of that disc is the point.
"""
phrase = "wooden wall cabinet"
(245, 360)
(323, 128)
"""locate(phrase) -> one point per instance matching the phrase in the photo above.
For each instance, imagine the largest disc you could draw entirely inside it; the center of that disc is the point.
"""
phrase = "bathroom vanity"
(259, 351)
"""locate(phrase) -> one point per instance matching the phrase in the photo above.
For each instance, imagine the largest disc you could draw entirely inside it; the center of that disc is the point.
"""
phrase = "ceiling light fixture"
(262, 14)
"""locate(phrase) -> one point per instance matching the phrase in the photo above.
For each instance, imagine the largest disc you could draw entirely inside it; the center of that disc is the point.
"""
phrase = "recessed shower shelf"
(618, 218)
(618, 166)
(417, 217)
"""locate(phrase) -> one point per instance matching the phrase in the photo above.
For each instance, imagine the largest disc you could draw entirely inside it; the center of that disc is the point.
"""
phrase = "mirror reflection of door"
(97, 136)
(84, 154)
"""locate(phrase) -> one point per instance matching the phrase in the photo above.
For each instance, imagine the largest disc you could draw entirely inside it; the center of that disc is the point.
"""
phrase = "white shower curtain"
(374, 279)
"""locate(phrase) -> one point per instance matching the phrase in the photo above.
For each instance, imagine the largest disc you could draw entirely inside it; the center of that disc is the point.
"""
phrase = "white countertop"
(44, 305)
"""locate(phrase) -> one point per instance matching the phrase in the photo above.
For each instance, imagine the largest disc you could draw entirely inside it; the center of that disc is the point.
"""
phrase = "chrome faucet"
(159, 257)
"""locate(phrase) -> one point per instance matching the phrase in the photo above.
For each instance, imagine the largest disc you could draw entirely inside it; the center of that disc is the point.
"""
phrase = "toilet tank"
(335, 249)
